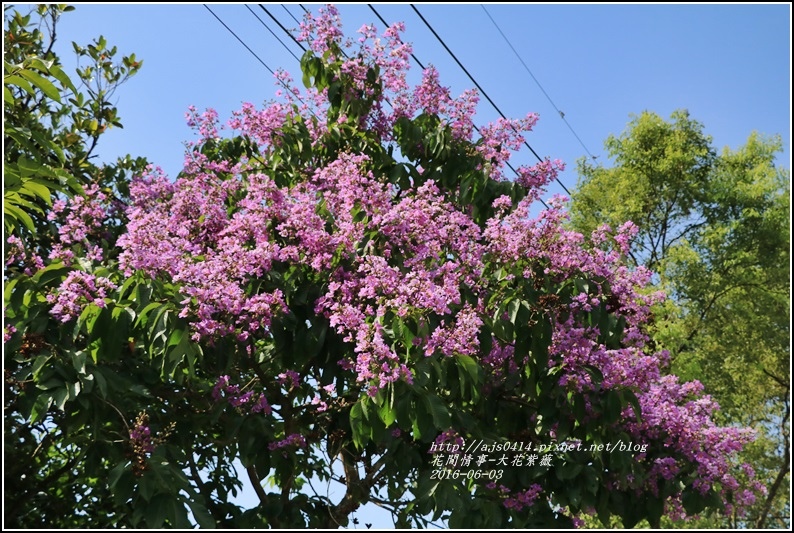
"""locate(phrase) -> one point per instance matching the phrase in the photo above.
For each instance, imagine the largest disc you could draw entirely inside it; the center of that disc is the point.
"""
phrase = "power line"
(271, 32)
(263, 8)
(290, 14)
(256, 56)
(387, 25)
(480, 88)
(562, 115)
(241, 41)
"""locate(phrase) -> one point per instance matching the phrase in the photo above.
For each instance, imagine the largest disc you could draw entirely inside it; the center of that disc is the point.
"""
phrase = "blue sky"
(729, 65)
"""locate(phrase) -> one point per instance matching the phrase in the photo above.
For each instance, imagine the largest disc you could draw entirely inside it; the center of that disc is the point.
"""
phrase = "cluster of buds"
(143, 444)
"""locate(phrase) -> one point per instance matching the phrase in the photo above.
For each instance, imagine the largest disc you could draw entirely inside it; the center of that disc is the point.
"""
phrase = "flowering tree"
(347, 292)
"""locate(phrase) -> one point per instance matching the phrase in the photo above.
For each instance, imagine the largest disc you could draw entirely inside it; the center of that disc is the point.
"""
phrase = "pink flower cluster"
(259, 125)
(16, 253)
(80, 217)
(289, 379)
(460, 338)
(322, 31)
(328, 390)
(500, 138)
(141, 437)
(500, 361)
(294, 439)
(392, 58)
(206, 123)
(523, 499)
(429, 250)
(540, 174)
(683, 418)
(189, 236)
(446, 441)
(8, 332)
(254, 403)
(78, 290)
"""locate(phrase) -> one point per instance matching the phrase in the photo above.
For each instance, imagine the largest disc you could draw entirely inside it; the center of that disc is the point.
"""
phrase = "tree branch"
(781, 475)
(357, 492)
(254, 478)
(204, 491)
(776, 379)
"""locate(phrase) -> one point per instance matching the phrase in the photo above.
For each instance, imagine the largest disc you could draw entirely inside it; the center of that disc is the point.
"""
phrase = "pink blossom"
(294, 439)
(523, 499)
(78, 290)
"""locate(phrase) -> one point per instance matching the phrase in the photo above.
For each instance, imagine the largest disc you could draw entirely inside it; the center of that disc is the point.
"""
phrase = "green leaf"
(360, 435)
(40, 407)
(655, 507)
(628, 396)
(156, 511)
(143, 316)
(73, 389)
(693, 501)
(512, 310)
(36, 190)
(568, 471)
(15, 212)
(101, 383)
(42, 83)
(19, 82)
(39, 363)
(387, 414)
(61, 76)
(202, 516)
(438, 411)
(40, 64)
(115, 474)
(470, 367)
(176, 337)
(60, 396)
(147, 486)
(614, 407)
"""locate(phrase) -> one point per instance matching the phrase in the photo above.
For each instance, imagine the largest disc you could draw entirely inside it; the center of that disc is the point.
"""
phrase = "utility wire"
(438, 37)
(256, 56)
(387, 25)
(480, 88)
(345, 54)
(290, 14)
(562, 115)
(238, 38)
(285, 30)
(271, 31)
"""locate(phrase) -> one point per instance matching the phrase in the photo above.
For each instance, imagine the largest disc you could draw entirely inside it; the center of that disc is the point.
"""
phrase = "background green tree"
(716, 230)
(51, 129)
